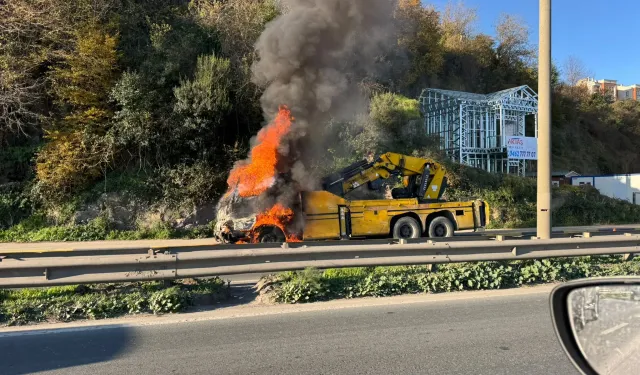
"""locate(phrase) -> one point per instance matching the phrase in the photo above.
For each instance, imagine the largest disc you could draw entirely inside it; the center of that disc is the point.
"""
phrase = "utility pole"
(544, 123)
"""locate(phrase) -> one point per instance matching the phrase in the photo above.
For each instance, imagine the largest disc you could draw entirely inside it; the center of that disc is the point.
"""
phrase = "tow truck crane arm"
(430, 173)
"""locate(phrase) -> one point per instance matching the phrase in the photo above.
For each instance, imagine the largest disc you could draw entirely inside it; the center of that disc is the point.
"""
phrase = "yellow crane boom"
(423, 178)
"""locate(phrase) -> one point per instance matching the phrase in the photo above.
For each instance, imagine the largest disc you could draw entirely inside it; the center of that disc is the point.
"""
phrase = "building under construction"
(473, 128)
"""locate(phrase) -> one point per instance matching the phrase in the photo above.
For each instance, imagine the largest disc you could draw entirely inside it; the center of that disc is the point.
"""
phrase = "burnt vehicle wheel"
(271, 234)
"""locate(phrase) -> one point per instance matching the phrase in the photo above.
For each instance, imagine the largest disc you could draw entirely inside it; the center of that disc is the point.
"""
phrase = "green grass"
(35, 229)
(67, 303)
(313, 285)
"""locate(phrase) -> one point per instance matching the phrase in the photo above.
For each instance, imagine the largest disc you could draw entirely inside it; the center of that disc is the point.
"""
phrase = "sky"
(601, 33)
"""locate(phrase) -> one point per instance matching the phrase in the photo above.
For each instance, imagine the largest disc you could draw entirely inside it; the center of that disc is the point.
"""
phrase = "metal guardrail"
(142, 246)
(136, 262)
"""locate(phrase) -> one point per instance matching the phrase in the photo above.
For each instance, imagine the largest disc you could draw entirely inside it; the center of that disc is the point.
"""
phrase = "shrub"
(102, 301)
(70, 160)
(310, 285)
(35, 229)
(15, 204)
(169, 300)
(192, 184)
(16, 163)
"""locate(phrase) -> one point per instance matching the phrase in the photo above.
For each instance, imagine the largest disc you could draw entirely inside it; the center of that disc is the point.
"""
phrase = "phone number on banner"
(516, 154)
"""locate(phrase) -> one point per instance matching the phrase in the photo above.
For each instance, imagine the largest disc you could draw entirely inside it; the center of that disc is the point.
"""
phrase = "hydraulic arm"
(423, 178)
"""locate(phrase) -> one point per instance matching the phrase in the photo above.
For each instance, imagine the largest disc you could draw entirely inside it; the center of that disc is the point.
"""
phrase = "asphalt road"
(497, 335)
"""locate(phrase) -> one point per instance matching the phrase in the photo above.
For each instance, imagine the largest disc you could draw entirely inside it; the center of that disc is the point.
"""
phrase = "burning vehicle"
(259, 205)
(311, 61)
(238, 223)
(414, 210)
(256, 219)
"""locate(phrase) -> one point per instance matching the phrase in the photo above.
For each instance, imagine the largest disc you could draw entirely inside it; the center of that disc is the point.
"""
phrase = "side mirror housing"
(598, 324)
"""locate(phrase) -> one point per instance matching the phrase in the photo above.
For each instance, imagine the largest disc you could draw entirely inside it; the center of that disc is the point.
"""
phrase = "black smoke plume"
(312, 59)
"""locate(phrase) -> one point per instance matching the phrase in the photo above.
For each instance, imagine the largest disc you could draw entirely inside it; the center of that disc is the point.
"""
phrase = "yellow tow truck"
(414, 210)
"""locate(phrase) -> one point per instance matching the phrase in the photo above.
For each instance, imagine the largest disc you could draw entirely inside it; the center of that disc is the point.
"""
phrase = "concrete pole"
(544, 123)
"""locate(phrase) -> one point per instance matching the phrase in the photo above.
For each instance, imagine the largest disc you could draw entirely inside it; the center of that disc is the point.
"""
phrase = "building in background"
(611, 87)
(484, 131)
(621, 186)
(558, 178)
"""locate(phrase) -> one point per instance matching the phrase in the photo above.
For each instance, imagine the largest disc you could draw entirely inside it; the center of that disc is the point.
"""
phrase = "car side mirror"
(598, 324)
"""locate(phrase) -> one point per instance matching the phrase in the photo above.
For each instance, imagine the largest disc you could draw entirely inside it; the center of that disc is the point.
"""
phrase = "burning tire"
(268, 234)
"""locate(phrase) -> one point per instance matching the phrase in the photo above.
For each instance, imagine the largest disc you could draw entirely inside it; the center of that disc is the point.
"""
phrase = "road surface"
(499, 334)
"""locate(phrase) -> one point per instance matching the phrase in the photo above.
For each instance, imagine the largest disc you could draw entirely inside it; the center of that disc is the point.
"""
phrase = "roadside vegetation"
(101, 301)
(512, 200)
(313, 285)
(121, 119)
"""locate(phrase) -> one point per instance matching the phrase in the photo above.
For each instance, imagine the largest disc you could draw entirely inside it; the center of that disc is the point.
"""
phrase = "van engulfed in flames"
(238, 225)
(238, 221)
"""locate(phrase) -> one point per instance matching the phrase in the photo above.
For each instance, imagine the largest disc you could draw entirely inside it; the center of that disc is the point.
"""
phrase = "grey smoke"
(313, 56)
(312, 59)
(310, 56)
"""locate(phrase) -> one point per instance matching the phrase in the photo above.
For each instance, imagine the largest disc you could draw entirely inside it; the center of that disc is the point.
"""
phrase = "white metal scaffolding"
(473, 128)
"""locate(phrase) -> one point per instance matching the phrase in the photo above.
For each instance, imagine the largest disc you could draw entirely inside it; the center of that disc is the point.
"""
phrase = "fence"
(61, 264)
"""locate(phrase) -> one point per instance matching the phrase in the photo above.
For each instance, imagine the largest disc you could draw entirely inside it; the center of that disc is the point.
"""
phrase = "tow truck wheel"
(407, 227)
(440, 227)
(271, 234)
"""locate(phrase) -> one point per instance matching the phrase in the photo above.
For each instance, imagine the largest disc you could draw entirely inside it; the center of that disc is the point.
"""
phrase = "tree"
(83, 81)
(203, 102)
(238, 24)
(419, 36)
(513, 41)
(76, 152)
(574, 70)
(458, 25)
(34, 36)
(20, 98)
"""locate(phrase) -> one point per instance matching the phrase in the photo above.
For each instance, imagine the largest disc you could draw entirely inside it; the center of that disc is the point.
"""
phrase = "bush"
(169, 300)
(192, 184)
(35, 229)
(16, 163)
(69, 161)
(512, 200)
(312, 285)
(102, 301)
(15, 204)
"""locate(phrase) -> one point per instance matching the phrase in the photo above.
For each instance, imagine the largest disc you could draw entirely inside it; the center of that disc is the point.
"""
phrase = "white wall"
(616, 186)
(625, 94)
(582, 181)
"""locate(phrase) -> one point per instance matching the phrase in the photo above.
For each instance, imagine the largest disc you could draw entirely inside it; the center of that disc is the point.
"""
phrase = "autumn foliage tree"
(76, 152)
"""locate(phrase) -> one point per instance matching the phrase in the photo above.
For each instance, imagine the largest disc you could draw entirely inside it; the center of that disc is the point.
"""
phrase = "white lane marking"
(613, 329)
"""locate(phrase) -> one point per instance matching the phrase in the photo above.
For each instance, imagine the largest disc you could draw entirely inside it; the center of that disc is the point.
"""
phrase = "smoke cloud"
(311, 58)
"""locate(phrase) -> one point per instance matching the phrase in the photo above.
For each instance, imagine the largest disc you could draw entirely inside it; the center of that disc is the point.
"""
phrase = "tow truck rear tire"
(440, 227)
(407, 227)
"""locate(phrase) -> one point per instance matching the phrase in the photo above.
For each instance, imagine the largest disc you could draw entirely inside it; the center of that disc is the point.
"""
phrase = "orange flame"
(279, 216)
(259, 173)
(255, 177)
